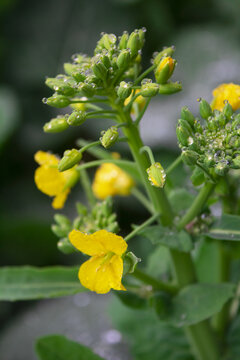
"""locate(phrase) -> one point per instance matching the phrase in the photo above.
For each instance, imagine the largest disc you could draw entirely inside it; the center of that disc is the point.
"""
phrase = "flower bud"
(164, 69)
(134, 43)
(185, 124)
(123, 59)
(70, 68)
(141, 33)
(205, 109)
(189, 157)
(149, 89)
(100, 70)
(164, 53)
(236, 162)
(187, 115)
(197, 176)
(58, 101)
(183, 135)
(56, 125)
(156, 175)
(170, 88)
(109, 40)
(109, 137)
(69, 159)
(62, 85)
(65, 246)
(123, 41)
(77, 118)
(63, 221)
(228, 110)
(236, 123)
(124, 90)
(79, 76)
(86, 89)
(221, 167)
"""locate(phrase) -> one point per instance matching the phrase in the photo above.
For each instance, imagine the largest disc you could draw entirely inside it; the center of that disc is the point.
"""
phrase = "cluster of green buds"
(212, 144)
(100, 217)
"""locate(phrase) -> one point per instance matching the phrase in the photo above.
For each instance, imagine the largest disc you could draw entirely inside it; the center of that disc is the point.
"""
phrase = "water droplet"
(44, 100)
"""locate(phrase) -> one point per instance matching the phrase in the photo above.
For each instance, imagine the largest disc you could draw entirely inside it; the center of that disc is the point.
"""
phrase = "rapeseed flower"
(103, 271)
(138, 104)
(110, 180)
(226, 92)
(51, 181)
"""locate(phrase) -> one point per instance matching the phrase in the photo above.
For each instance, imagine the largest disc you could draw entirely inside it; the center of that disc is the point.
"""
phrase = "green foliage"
(30, 283)
(226, 228)
(57, 347)
(180, 200)
(232, 340)
(159, 234)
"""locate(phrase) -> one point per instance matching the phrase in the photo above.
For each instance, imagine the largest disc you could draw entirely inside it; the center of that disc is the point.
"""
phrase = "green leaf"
(226, 228)
(159, 234)
(209, 256)
(28, 283)
(198, 302)
(57, 347)
(232, 340)
(180, 200)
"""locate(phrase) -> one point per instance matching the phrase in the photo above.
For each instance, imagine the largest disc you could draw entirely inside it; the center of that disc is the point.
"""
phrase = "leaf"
(232, 340)
(208, 256)
(57, 347)
(159, 234)
(28, 283)
(180, 200)
(198, 302)
(226, 228)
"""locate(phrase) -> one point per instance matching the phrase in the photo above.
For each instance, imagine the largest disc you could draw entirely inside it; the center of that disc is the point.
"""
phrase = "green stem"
(101, 112)
(140, 116)
(142, 199)
(88, 146)
(88, 101)
(102, 161)
(144, 74)
(142, 226)
(86, 184)
(175, 163)
(148, 150)
(156, 284)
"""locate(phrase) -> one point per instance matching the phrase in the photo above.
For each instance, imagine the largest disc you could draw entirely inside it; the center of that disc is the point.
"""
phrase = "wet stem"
(200, 336)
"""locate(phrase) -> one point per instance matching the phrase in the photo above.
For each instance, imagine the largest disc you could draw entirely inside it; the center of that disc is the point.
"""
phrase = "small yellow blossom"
(138, 104)
(226, 92)
(52, 182)
(103, 271)
(110, 180)
(166, 61)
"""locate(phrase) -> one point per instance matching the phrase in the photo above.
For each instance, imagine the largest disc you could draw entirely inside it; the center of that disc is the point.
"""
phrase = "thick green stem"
(87, 187)
(156, 284)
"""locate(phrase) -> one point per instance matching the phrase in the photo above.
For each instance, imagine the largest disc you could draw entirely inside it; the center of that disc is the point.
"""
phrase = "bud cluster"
(100, 217)
(212, 143)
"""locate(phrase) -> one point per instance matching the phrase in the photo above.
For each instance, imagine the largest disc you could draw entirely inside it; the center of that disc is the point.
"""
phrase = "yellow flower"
(52, 182)
(110, 180)
(103, 271)
(226, 92)
(138, 104)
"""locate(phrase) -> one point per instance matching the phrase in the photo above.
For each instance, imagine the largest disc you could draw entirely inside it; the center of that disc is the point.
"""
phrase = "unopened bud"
(63, 86)
(56, 125)
(65, 246)
(149, 89)
(170, 88)
(228, 110)
(109, 40)
(164, 69)
(77, 118)
(183, 135)
(69, 159)
(189, 157)
(185, 124)
(86, 89)
(236, 162)
(164, 53)
(70, 68)
(123, 41)
(221, 167)
(205, 109)
(109, 137)
(134, 43)
(156, 175)
(123, 59)
(187, 115)
(100, 70)
(58, 101)
(124, 90)
(197, 176)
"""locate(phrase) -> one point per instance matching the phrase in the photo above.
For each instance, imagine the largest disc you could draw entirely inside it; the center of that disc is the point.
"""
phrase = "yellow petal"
(59, 200)
(49, 180)
(45, 158)
(100, 276)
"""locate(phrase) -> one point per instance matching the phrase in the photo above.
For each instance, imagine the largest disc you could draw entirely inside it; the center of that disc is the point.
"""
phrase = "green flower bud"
(124, 90)
(69, 159)
(58, 101)
(79, 76)
(65, 246)
(164, 69)
(205, 109)
(123, 41)
(185, 124)
(81, 209)
(141, 33)
(100, 70)
(209, 160)
(170, 88)
(221, 120)
(236, 162)
(134, 43)
(221, 168)
(183, 135)
(156, 175)
(123, 59)
(109, 137)
(164, 53)
(236, 123)
(86, 89)
(109, 40)
(189, 157)
(58, 231)
(197, 177)
(63, 221)
(228, 110)
(187, 115)
(70, 68)
(149, 89)
(72, 180)
(56, 125)
(77, 118)
(62, 85)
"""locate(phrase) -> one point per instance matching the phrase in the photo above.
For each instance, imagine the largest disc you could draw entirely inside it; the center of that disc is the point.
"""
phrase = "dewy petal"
(59, 200)
(45, 158)
(100, 276)
(99, 243)
(49, 180)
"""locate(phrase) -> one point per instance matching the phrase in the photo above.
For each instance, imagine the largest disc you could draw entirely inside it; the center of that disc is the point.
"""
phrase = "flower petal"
(45, 158)
(59, 200)
(100, 276)
(49, 180)
(110, 241)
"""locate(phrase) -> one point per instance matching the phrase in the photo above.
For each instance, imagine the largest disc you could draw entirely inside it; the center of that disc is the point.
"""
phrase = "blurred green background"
(36, 37)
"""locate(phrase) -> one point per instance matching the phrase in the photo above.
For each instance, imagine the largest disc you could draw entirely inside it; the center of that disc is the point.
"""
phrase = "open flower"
(103, 271)
(110, 180)
(226, 92)
(52, 182)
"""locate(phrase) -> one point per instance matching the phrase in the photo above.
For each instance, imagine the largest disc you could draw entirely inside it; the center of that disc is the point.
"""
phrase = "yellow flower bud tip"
(110, 180)
(156, 175)
(104, 270)
(166, 61)
(139, 102)
(226, 92)
(50, 181)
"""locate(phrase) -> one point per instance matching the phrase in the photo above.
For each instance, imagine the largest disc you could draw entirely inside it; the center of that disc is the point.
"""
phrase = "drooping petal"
(45, 158)
(100, 276)
(49, 180)
(110, 241)
(59, 200)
